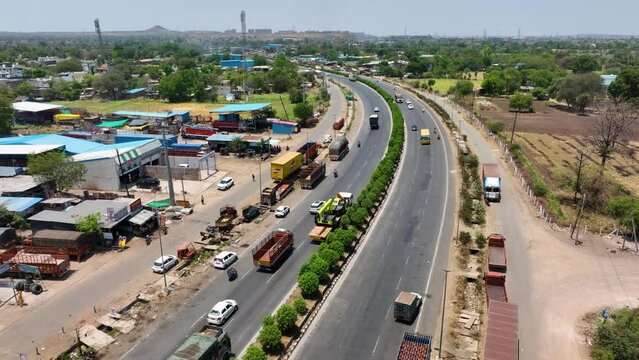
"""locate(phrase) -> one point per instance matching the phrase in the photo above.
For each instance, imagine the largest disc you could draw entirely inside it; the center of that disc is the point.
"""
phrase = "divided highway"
(259, 293)
(405, 250)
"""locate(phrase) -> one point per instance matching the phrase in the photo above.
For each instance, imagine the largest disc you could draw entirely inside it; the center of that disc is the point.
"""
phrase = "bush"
(300, 306)
(286, 317)
(253, 352)
(464, 238)
(309, 284)
(330, 256)
(359, 217)
(271, 338)
(480, 240)
(268, 320)
(345, 221)
(337, 246)
(495, 127)
(618, 337)
(306, 266)
(320, 267)
(466, 210)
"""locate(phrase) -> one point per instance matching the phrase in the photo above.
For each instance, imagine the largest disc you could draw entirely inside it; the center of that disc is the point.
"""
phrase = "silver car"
(164, 264)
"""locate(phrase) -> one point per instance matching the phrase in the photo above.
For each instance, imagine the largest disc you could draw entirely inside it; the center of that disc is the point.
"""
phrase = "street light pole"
(161, 249)
(441, 331)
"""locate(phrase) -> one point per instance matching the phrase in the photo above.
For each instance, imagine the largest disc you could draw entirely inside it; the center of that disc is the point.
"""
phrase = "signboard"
(4, 268)
(135, 205)
(6, 284)
(109, 214)
(28, 269)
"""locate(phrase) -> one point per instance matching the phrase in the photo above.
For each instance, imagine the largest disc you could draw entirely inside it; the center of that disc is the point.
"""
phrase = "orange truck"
(271, 250)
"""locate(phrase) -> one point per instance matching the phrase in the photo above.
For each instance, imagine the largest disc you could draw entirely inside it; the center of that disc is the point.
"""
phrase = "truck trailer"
(197, 132)
(51, 264)
(373, 121)
(319, 233)
(496, 287)
(415, 346)
(286, 165)
(210, 343)
(312, 174)
(309, 151)
(497, 253)
(271, 250)
(338, 148)
(491, 182)
(271, 195)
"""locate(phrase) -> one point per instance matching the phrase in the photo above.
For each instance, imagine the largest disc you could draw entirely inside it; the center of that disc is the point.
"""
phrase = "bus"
(425, 137)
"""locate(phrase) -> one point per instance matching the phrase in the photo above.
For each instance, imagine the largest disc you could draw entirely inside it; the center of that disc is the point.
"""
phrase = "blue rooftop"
(135, 91)
(71, 145)
(222, 137)
(18, 204)
(9, 171)
(157, 115)
(241, 108)
(124, 145)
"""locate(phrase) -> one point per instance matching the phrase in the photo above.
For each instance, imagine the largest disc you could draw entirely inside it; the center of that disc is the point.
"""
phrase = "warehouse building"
(35, 113)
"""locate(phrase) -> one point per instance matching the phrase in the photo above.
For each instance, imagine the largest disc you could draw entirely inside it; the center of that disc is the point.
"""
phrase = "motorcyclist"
(423, 110)
(335, 173)
(231, 273)
(358, 143)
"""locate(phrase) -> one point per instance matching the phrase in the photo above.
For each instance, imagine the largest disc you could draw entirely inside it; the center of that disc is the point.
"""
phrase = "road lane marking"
(388, 312)
(195, 323)
(398, 283)
(243, 276)
(375, 348)
(406, 262)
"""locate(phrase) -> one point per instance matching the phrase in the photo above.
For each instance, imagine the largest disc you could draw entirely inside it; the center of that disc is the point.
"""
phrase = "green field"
(107, 107)
(443, 85)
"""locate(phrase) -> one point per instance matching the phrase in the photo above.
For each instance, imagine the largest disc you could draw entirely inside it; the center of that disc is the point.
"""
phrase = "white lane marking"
(439, 236)
(272, 277)
(406, 262)
(243, 276)
(195, 323)
(375, 348)
(388, 312)
(398, 283)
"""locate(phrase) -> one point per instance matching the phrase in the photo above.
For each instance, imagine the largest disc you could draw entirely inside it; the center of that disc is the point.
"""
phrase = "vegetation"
(271, 338)
(254, 352)
(11, 219)
(184, 85)
(308, 282)
(285, 318)
(300, 306)
(89, 224)
(303, 111)
(519, 102)
(56, 168)
(618, 337)
(613, 127)
(6, 115)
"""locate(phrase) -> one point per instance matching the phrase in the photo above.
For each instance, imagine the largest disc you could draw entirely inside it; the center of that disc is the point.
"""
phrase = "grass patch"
(442, 86)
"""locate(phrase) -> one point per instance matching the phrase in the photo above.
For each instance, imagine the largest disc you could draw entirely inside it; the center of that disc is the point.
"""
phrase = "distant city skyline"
(382, 18)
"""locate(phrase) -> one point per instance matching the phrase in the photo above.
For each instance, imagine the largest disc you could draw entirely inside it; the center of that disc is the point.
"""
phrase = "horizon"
(455, 18)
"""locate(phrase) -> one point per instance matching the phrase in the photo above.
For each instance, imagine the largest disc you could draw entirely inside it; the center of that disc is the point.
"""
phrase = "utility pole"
(441, 330)
(578, 182)
(159, 219)
(574, 227)
(168, 169)
(183, 192)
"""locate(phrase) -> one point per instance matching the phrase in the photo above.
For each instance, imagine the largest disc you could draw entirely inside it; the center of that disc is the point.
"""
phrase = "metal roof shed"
(22, 206)
(234, 108)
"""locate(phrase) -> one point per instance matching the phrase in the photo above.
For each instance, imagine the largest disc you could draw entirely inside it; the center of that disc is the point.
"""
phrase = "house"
(10, 71)
(135, 93)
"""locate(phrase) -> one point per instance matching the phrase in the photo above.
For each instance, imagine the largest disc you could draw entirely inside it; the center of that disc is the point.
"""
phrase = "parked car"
(410, 107)
(225, 183)
(376, 109)
(224, 259)
(413, 127)
(282, 211)
(314, 208)
(221, 312)
(164, 264)
(148, 182)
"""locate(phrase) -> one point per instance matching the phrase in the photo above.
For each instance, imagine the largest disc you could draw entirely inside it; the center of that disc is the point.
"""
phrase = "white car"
(221, 312)
(224, 259)
(410, 107)
(328, 139)
(314, 208)
(376, 109)
(408, 102)
(225, 183)
(164, 263)
(282, 211)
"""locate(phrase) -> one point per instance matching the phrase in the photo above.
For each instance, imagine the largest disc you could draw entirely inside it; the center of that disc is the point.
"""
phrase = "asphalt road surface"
(412, 233)
(259, 293)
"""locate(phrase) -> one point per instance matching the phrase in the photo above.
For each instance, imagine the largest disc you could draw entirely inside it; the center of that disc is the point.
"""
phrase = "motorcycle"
(358, 144)
(231, 273)
(423, 110)
(148, 240)
(335, 173)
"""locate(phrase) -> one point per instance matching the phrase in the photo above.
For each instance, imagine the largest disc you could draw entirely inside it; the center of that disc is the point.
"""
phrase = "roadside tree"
(26, 89)
(300, 306)
(308, 283)
(571, 87)
(271, 338)
(303, 111)
(253, 352)
(582, 101)
(57, 168)
(112, 82)
(11, 219)
(319, 266)
(613, 127)
(519, 102)
(626, 86)
(285, 318)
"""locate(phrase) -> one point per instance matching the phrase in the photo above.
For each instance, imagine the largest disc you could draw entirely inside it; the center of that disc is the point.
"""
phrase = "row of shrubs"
(318, 268)
(472, 210)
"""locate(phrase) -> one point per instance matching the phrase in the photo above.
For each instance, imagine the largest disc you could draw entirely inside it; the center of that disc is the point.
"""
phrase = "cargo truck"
(312, 174)
(491, 182)
(496, 287)
(227, 214)
(197, 132)
(309, 151)
(271, 195)
(48, 264)
(399, 98)
(352, 77)
(496, 253)
(406, 306)
(319, 233)
(210, 343)
(373, 121)
(338, 124)
(338, 148)
(415, 346)
(271, 250)
(286, 165)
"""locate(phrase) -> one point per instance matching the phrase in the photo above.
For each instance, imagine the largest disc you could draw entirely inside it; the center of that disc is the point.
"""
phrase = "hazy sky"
(422, 17)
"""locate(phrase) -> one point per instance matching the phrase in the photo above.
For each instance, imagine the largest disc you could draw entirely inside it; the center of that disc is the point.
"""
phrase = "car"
(314, 208)
(221, 312)
(148, 182)
(408, 102)
(328, 139)
(282, 211)
(164, 264)
(225, 183)
(376, 109)
(224, 259)
(184, 166)
(410, 107)
(413, 127)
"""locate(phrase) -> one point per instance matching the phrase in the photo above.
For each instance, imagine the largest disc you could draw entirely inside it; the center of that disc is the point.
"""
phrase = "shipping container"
(286, 165)
(502, 332)
(309, 151)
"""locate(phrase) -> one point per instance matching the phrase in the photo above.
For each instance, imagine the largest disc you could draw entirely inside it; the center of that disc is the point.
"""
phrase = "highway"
(405, 250)
(259, 293)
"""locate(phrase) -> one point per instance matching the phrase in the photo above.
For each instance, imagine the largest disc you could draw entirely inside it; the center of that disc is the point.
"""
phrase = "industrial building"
(23, 206)
(35, 113)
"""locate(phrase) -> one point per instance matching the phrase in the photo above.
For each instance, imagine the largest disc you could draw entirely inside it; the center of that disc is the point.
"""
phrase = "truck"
(415, 346)
(271, 250)
(491, 182)
(209, 343)
(338, 124)
(271, 195)
(52, 264)
(197, 131)
(286, 165)
(312, 174)
(406, 306)
(338, 148)
(250, 212)
(331, 213)
(496, 253)
(496, 287)
(319, 233)
(226, 125)
(399, 98)
(309, 151)
(373, 121)
(228, 213)
(73, 243)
